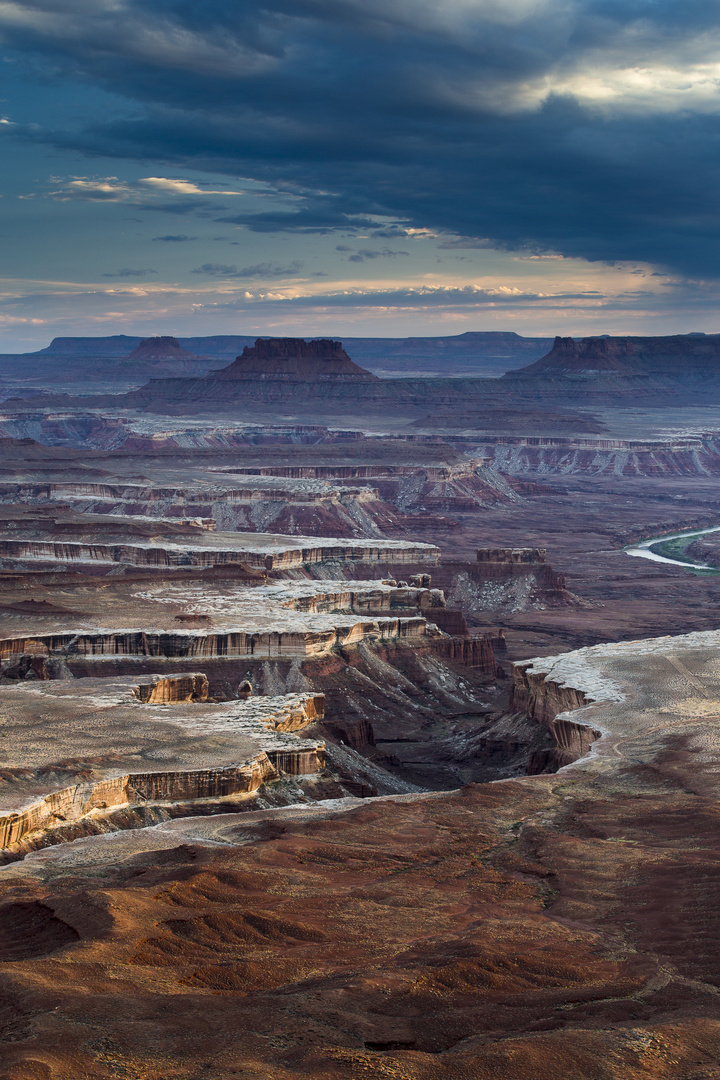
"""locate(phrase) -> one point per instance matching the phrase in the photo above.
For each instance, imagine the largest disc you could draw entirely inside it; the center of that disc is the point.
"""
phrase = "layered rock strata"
(598, 693)
(352, 501)
(657, 370)
(512, 555)
(234, 644)
(262, 551)
(293, 360)
(150, 350)
(164, 690)
(116, 743)
(676, 357)
(282, 620)
(521, 455)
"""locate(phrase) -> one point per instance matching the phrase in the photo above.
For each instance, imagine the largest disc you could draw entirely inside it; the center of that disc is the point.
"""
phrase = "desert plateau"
(359, 540)
(335, 751)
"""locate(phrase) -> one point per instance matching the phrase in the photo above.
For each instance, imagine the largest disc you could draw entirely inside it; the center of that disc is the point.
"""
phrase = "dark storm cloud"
(586, 127)
(261, 270)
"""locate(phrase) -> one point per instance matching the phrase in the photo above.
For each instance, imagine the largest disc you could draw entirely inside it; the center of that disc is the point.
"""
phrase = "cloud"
(465, 242)
(108, 189)
(365, 254)
(319, 216)
(128, 273)
(171, 239)
(179, 187)
(261, 270)
(589, 128)
(143, 193)
(420, 298)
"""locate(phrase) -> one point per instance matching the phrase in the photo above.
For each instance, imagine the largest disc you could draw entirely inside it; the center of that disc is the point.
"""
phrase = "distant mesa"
(674, 356)
(160, 348)
(591, 356)
(294, 360)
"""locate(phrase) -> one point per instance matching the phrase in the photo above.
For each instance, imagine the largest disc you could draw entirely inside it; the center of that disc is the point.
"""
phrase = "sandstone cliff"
(293, 360)
(160, 348)
(675, 357)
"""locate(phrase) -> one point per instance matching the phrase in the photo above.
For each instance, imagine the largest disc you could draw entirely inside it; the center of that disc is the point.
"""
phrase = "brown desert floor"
(557, 926)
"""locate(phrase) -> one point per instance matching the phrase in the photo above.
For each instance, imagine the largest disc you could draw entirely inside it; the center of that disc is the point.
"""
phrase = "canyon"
(339, 734)
(560, 923)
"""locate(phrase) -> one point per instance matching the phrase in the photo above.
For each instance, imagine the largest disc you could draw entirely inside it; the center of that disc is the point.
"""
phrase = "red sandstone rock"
(294, 360)
(511, 555)
(160, 348)
(626, 356)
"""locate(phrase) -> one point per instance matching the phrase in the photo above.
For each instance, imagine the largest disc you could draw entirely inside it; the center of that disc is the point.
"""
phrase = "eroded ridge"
(606, 705)
(279, 620)
(86, 748)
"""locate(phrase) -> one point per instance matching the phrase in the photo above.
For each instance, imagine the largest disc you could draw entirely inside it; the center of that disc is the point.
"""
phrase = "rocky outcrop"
(477, 651)
(459, 488)
(80, 800)
(504, 584)
(512, 555)
(518, 456)
(657, 370)
(543, 699)
(357, 732)
(677, 357)
(160, 348)
(264, 724)
(293, 360)
(167, 689)
(34, 664)
(449, 620)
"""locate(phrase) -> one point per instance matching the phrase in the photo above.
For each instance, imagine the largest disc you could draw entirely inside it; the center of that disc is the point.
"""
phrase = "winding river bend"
(656, 549)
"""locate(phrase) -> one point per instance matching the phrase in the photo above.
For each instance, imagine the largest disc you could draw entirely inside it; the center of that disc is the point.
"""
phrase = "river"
(643, 550)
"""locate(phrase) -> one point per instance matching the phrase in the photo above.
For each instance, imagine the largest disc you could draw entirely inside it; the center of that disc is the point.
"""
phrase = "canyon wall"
(543, 700)
(270, 722)
(266, 556)
(182, 644)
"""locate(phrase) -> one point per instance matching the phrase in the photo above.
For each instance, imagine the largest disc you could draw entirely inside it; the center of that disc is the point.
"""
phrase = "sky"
(358, 167)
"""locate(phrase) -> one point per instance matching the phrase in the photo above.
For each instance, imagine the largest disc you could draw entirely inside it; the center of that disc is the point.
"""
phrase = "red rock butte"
(160, 348)
(294, 360)
(681, 356)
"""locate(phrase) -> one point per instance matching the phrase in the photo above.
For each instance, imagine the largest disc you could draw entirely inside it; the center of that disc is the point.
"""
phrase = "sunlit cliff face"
(539, 165)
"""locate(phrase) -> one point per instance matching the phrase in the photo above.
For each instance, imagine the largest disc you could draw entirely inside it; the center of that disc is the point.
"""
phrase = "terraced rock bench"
(80, 749)
(263, 551)
(280, 620)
